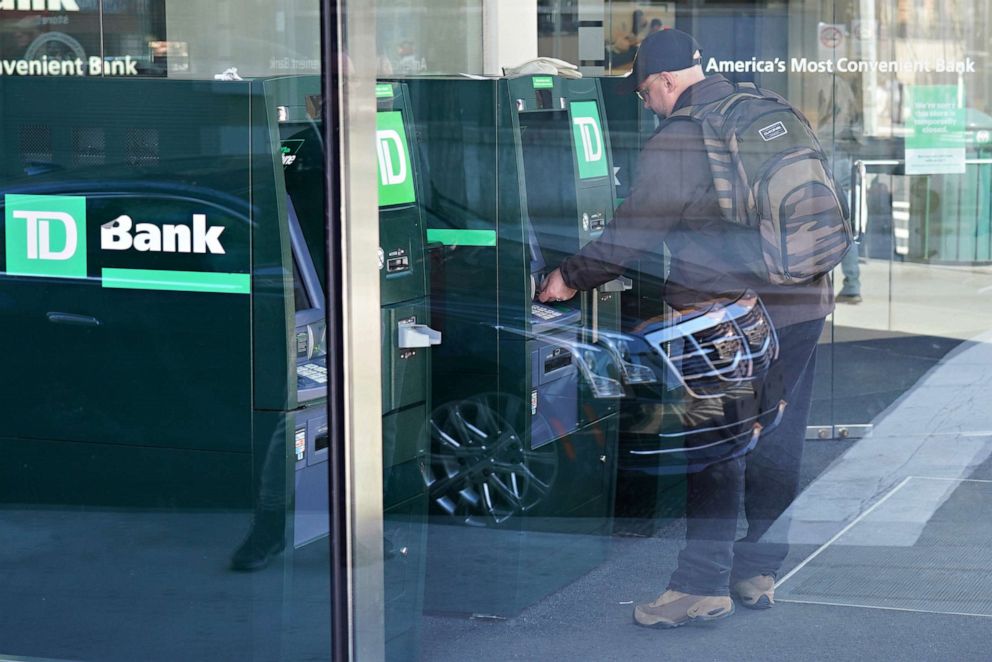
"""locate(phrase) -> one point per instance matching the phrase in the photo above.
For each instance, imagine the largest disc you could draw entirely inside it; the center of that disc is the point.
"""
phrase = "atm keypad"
(308, 373)
(544, 312)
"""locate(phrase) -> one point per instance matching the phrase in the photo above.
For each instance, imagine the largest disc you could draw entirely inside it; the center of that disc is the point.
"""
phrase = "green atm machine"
(406, 340)
(525, 395)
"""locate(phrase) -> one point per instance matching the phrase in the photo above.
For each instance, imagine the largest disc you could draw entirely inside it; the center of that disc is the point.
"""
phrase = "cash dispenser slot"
(558, 359)
(594, 222)
(555, 399)
(395, 264)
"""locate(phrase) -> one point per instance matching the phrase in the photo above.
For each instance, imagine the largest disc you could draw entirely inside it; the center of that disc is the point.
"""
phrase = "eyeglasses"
(641, 92)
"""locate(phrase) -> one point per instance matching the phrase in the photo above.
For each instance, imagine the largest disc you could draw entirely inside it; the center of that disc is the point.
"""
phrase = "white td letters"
(592, 140)
(39, 234)
(387, 173)
(116, 236)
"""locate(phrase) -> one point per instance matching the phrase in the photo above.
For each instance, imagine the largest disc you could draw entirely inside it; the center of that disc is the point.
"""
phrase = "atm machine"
(524, 419)
(406, 339)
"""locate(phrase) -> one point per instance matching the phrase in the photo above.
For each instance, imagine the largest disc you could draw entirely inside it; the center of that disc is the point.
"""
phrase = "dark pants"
(768, 478)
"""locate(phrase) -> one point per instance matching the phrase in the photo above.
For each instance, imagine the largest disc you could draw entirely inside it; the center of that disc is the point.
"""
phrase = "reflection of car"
(697, 381)
(121, 352)
(715, 397)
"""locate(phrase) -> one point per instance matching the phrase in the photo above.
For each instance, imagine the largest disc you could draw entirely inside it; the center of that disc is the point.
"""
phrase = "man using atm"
(674, 200)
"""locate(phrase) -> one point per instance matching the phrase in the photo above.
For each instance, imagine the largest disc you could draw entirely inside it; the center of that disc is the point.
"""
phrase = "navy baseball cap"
(665, 50)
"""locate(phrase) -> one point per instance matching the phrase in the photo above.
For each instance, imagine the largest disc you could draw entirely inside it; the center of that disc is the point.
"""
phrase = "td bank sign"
(46, 236)
(38, 5)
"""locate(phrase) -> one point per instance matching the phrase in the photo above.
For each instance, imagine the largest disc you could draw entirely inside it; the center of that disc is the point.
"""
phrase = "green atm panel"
(523, 452)
(407, 342)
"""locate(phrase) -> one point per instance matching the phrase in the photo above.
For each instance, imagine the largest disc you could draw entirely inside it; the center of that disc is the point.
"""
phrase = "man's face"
(657, 93)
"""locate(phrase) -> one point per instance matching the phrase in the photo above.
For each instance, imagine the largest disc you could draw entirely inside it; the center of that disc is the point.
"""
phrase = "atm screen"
(537, 263)
(301, 298)
(303, 168)
(549, 173)
(308, 300)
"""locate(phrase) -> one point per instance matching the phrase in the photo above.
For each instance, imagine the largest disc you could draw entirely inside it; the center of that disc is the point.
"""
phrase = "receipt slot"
(524, 411)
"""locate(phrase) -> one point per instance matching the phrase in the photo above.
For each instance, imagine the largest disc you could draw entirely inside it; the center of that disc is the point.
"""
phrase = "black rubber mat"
(868, 370)
(927, 548)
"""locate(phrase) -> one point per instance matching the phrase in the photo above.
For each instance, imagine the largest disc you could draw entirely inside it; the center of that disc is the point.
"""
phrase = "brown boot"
(756, 592)
(673, 609)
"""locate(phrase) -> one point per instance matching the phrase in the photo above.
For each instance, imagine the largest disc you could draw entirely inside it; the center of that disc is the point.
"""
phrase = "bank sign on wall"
(935, 138)
(46, 236)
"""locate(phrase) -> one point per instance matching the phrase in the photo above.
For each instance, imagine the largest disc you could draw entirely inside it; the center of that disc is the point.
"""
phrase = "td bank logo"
(46, 235)
(38, 5)
(592, 139)
(395, 182)
(588, 135)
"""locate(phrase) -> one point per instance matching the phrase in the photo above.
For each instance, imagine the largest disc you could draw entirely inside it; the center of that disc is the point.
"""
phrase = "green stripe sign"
(181, 281)
(543, 82)
(462, 237)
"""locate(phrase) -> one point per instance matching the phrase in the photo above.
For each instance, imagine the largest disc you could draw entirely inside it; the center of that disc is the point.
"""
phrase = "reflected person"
(267, 537)
(673, 201)
(838, 127)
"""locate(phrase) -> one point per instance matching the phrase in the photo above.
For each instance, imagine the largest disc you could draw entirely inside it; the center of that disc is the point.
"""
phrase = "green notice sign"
(935, 142)
(587, 135)
(395, 175)
(46, 235)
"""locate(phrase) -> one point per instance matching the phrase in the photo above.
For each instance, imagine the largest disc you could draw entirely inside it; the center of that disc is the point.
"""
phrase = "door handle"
(71, 318)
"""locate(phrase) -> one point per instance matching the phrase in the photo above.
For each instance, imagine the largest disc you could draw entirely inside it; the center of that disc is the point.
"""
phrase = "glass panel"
(566, 438)
(165, 484)
(406, 43)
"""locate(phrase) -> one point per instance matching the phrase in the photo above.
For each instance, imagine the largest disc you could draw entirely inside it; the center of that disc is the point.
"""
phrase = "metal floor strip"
(906, 609)
(847, 528)
(921, 550)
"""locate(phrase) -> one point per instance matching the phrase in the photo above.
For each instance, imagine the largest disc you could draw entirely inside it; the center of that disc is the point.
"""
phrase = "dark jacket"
(673, 202)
